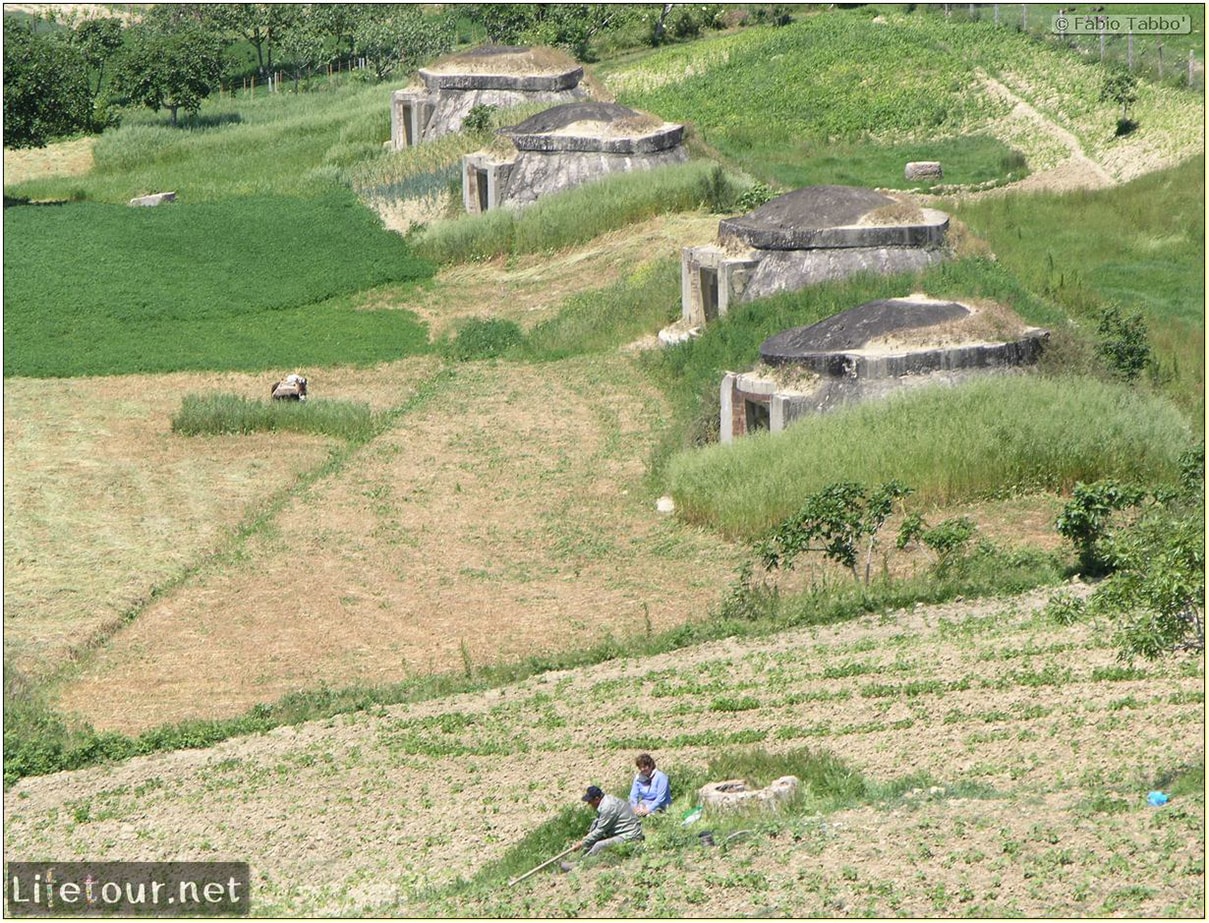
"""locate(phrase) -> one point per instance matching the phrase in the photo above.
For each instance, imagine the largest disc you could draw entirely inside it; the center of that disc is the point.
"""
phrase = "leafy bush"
(948, 540)
(754, 196)
(1123, 345)
(1086, 517)
(478, 119)
(1156, 590)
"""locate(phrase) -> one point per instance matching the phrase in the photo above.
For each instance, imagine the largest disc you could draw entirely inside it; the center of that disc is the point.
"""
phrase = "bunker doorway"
(758, 416)
(406, 116)
(709, 293)
(480, 183)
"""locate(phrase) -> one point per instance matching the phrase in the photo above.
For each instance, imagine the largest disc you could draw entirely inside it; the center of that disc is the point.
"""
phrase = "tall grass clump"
(227, 414)
(411, 172)
(986, 438)
(578, 215)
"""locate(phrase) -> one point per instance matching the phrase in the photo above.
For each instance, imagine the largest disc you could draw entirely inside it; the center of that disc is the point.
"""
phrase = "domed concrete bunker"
(814, 234)
(871, 351)
(564, 147)
(500, 76)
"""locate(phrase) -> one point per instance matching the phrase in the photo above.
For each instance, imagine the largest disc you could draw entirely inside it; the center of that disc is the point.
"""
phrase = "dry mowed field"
(505, 517)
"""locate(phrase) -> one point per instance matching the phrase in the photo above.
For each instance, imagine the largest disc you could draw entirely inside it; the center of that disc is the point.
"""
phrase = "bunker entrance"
(406, 117)
(757, 415)
(480, 185)
(709, 293)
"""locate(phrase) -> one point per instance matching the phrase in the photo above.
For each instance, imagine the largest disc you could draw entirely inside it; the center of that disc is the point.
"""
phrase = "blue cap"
(592, 793)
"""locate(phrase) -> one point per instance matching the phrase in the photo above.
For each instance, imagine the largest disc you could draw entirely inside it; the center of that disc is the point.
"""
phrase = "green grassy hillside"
(241, 283)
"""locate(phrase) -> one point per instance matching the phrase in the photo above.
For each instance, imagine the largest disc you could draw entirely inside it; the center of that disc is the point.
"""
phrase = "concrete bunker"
(814, 234)
(564, 147)
(871, 351)
(501, 76)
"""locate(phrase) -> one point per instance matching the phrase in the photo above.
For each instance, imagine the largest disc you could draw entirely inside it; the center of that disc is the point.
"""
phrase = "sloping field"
(1030, 748)
(503, 517)
(105, 506)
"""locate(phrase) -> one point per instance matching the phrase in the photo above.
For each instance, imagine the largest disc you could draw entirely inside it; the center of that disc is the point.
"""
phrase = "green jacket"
(614, 817)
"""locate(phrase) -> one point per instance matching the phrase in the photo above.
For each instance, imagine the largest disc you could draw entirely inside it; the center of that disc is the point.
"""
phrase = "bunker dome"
(814, 234)
(871, 351)
(564, 147)
(501, 76)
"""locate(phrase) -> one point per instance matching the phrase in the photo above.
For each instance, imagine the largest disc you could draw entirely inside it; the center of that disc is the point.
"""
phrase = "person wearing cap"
(615, 822)
(651, 791)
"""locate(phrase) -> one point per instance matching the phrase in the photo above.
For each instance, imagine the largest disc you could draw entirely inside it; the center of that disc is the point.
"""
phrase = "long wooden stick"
(543, 865)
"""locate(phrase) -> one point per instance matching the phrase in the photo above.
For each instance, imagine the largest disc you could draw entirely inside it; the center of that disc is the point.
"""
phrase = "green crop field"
(245, 283)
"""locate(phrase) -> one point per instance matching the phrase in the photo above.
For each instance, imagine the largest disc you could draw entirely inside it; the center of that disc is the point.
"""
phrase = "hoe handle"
(538, 868)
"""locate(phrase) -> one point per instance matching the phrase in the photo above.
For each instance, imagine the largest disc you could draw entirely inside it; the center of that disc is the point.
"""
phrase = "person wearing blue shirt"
(651, 791)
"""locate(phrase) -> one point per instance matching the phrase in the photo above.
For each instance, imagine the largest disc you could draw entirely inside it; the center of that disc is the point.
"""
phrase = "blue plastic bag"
(1156, 799)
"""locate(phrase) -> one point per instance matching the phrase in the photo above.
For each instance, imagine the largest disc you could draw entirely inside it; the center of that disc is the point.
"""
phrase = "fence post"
(1024, 17)
(1129, 53)
(1191, 63)
(996, 14)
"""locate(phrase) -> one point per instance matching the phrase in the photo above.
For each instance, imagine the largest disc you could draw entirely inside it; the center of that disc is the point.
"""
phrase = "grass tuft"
(226, 414)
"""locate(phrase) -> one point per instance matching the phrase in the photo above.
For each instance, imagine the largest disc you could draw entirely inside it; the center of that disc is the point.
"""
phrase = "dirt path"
(1077, 171)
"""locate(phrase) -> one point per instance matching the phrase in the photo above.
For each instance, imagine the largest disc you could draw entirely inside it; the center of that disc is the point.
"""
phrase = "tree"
(99, 40)
(259, 24)
(304, 44)
(836, 521)
(399, 36)
(46, 89)
(1155, 588)
(1121, 87)
(174, 69)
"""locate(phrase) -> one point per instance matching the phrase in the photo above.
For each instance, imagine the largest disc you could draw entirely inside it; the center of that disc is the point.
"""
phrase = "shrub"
(485, 338)
(835, 521)
(1123, 345)
(478, 119)
(1085, 520)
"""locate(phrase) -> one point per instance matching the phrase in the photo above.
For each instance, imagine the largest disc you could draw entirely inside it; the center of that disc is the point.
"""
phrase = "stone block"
(156, 198)
(924, 170)
(735, 793)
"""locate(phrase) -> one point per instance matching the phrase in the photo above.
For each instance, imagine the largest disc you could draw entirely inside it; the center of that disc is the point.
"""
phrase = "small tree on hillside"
(1121, 87)
(840, 521)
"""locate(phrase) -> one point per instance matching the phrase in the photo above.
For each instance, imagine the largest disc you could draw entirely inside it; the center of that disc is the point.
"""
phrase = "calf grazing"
(290, 388)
